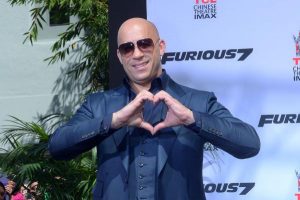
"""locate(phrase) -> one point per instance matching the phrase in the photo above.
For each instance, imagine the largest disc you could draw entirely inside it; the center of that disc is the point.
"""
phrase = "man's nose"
(137, 53)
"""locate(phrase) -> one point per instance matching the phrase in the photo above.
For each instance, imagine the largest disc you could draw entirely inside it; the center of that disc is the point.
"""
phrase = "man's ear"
(162, 47)
(119, 56)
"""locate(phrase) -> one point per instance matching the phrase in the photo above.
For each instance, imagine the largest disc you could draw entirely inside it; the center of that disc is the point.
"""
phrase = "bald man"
(150, 131)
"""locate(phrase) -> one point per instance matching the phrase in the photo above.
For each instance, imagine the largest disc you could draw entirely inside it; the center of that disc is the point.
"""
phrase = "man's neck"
(137, 88)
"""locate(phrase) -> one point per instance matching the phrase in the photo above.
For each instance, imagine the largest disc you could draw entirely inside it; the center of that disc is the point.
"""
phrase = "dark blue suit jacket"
(180, 150)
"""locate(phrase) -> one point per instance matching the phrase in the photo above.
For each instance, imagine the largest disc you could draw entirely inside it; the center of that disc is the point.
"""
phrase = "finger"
(136, 105)
(145, 95)
(162, 95)
(146, 126)
(159, 126)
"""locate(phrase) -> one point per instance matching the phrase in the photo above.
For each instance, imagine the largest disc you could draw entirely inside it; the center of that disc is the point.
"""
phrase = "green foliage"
(29, 160)
(89, 33)
(27, 157)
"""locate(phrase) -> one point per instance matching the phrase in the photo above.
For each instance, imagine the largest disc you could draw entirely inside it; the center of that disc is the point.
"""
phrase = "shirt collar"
(159, 83)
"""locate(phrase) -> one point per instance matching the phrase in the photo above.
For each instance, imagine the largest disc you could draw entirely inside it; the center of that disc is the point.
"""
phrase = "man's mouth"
(140, 65)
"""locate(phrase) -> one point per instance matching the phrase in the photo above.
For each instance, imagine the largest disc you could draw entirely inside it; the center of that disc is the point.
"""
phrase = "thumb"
(147, 126)
(159, 126)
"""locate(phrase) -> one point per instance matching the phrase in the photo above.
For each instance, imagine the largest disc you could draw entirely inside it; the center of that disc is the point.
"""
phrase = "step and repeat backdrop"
(247, 53)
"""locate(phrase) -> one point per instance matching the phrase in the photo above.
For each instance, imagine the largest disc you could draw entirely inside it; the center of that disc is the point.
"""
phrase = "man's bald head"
(133, 26)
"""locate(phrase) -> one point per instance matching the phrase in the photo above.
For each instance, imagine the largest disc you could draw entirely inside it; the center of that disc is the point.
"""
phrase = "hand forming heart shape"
(132, 113)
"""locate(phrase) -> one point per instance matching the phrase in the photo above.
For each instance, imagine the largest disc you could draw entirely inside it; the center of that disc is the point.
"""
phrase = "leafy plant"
(85, 43)
(29, 160)
(90, 33)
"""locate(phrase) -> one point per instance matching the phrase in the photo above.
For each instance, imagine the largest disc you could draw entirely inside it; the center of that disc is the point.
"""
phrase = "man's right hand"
(132, 113)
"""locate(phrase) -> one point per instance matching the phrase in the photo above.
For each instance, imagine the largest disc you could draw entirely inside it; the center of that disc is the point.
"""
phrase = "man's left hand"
(177, 113)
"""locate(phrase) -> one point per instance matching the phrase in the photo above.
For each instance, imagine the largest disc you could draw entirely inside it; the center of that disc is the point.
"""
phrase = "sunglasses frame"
(144, 45)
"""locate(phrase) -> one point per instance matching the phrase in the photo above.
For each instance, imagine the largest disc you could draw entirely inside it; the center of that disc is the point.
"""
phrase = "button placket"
(145, 174)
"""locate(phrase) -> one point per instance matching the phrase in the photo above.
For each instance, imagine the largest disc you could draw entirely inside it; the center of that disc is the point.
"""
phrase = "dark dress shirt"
(144, 148)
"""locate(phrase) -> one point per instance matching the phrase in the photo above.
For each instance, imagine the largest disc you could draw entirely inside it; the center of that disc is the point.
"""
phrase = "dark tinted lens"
(145, 44)
(126, 48)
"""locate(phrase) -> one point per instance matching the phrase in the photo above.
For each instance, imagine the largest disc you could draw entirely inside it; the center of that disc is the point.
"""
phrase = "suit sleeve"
(81, 133)
(226, 132)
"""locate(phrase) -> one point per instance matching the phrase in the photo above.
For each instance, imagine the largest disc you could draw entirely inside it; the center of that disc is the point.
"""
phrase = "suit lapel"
(121, 141)
(117, 101)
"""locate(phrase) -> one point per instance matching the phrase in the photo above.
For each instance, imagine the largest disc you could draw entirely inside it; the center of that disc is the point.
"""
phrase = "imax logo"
(279, 119)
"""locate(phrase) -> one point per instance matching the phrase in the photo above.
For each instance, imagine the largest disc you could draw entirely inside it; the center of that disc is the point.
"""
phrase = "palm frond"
(18, 129)
(30, 160)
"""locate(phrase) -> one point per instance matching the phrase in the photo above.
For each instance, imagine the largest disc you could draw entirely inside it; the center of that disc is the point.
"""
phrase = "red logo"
(298, 178)
(297, 48)
(297, 44)
(206, 1)
(296, 59)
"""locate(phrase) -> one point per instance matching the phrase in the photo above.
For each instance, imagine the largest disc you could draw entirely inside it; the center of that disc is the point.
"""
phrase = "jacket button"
(141, 164)
(141, 176)
(144, 141)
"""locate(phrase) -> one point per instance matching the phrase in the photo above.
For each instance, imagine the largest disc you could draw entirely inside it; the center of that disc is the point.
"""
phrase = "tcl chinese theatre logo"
(205, 9)
(296, 60)
(298, 180)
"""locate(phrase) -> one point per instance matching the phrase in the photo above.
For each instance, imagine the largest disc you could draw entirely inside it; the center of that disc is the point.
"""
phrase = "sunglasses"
(144, 45)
